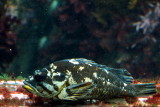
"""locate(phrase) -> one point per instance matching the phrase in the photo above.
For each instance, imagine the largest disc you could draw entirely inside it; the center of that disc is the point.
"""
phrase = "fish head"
(41, 84)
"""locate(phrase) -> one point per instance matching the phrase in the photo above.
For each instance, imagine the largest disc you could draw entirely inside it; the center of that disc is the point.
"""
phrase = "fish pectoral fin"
(77, 91)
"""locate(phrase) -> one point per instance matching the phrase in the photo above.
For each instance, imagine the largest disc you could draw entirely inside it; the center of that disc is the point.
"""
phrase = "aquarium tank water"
(55, 52)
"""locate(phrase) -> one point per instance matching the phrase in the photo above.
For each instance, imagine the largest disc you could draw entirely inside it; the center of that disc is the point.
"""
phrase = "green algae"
(5, 77)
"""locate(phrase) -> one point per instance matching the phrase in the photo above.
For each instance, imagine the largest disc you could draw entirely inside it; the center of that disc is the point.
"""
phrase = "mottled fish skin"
(82, 70)
(74, 79)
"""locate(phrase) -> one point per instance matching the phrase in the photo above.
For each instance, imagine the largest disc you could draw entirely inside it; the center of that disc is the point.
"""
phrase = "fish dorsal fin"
(85, 61)
(82, 60)
(123, 74)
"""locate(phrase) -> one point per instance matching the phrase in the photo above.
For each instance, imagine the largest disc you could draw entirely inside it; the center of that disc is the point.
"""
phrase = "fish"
(82, 79)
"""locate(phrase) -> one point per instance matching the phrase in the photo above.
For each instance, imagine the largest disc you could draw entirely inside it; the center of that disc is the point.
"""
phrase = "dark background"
(34, 33)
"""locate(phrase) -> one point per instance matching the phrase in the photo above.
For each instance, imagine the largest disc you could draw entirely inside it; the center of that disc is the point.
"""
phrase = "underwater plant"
(5, 77)
(20, 78)
(150, 20)
(132, 4)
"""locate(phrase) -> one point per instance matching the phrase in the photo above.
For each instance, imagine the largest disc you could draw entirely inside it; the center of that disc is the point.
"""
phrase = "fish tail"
(145, 89)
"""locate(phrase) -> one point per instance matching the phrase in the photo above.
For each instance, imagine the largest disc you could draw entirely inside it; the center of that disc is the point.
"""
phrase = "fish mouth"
(29, 87)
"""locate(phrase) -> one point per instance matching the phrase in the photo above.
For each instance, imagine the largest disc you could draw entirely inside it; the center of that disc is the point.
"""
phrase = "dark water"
(34, 33)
